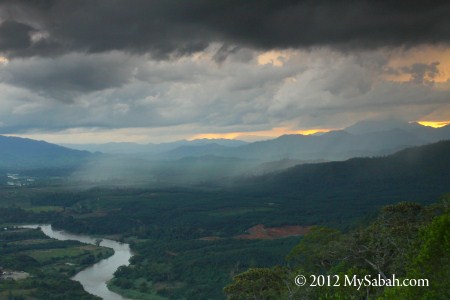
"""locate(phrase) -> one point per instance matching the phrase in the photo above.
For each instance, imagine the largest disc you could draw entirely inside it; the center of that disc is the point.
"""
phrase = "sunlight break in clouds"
(434, 124)
(258, 135)
(275, 58)
(432, 64)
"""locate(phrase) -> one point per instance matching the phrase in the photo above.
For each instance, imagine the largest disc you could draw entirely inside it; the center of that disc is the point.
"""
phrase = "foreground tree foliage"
(316, 252)
(256, 283)
(406, 240)
(432, 262)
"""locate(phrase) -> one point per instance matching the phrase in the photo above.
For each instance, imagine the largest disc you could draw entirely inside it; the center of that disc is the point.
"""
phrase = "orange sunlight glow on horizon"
(434, 124)
(275, 132)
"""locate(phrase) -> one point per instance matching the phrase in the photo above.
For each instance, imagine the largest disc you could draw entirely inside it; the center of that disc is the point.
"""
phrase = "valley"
(184, 237)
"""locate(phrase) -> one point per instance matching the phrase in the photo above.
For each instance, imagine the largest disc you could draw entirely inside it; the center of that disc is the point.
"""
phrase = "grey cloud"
(345, 90)
(317, 88)
(69, 76)
(14, 36)
(172, 28)
(128, 91)
(422, 73)
(224, 52)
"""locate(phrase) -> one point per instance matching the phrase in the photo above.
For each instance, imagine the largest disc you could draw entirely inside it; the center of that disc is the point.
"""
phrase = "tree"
(317, 250)
(385, 244)
(143, 287)
(432, 263)
(257, 284)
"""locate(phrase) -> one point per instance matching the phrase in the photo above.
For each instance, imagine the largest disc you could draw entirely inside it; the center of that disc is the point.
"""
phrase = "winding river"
(94, 278)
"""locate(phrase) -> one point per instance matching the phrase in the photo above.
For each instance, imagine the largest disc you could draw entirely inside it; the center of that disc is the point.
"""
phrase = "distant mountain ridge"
(151, 148)
(335, 145)
(369, 126)
(364, 139)
(367, 138)
(21, 153)
(341, 144)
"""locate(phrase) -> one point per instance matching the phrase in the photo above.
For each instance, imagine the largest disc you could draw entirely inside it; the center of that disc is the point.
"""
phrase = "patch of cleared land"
(261, 232)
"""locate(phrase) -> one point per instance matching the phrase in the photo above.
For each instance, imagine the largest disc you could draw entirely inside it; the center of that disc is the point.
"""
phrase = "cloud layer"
(183, 68)
(165, 28)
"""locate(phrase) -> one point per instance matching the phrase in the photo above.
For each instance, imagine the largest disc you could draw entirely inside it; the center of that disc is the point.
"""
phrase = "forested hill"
(426, 163)
(415, 174)
(20, 153)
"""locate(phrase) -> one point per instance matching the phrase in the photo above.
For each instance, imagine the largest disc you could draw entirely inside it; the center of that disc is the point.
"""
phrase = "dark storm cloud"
(170, 28)
(69, 75)
(14, 36)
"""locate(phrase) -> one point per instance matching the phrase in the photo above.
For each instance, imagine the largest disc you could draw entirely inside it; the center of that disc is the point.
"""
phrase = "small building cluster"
(14, 179)
(14, 275)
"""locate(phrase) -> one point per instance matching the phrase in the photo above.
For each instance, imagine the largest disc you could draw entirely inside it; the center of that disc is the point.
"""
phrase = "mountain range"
(219, 158)
(20, 153)
(151, 148)
(366, 138)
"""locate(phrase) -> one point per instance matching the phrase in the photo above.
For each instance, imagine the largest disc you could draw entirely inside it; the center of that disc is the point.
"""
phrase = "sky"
(158, 71)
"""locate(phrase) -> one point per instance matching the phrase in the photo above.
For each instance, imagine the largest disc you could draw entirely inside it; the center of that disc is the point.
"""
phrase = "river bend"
(94, 278)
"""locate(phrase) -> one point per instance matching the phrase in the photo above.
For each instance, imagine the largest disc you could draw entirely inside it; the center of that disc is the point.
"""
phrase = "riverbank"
(49, 262)
(95, 277)
(144, 293)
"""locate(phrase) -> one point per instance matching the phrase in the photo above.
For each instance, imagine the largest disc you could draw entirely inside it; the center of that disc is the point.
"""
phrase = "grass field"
(49, 262)
(52, 255)
(44, 208)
